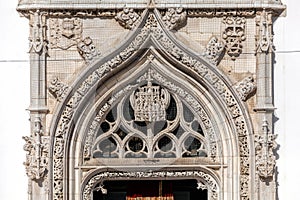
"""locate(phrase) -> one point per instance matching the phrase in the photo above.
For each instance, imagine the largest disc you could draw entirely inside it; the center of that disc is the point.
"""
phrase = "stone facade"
(91, 62)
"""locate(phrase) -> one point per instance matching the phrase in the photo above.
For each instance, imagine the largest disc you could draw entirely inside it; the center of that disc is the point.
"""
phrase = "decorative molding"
(87, 49)
(214, 50)
(58, 89)
(245, 87)
(265, 147)
(234, 35)
(64, 33)
(201, 176)
(128, 18)
(152, 27)
(37, 36)
(175, 18)
(264, 36)
(220, 12)
(37, 148)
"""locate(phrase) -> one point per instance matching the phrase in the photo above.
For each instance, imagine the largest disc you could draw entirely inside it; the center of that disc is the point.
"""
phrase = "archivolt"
(150, 29)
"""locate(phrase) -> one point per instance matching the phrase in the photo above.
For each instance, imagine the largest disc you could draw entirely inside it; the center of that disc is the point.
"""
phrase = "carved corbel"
(58, 89)
(37, 148)
(245, 88)
(127, 18)
(87, 49)
(264, 36)
(265, 147)
(37, 37)
(234, 35)
(214, 50)
(175, 18)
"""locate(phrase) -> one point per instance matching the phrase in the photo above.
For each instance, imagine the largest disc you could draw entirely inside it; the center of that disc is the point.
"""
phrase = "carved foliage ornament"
(234, 35)
(127, 18)
(151, 26)
(245, 87)
(37, 148)
(214, 50)
(87, 49)
(58, 89)
(175, 18)
(202, 177)
(65, 33)
(265, 147)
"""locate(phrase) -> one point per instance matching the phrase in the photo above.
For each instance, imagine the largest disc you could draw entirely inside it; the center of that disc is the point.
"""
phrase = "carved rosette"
(127, 18)
(175, 18)
(58, 89)
(87, 49)
(214, 50)
(37, 148)
(65, 33)
(265, 148)
(234, 35)
(264, 36)
(245, 87)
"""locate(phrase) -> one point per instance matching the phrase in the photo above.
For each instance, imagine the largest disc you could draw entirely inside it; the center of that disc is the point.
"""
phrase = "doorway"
(151, 190)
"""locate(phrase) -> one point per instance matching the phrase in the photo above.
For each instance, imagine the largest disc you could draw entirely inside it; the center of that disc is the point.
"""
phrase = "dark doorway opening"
(151, 190)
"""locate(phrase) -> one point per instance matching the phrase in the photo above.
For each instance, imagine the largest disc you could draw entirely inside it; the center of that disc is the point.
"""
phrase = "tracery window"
(150, 123)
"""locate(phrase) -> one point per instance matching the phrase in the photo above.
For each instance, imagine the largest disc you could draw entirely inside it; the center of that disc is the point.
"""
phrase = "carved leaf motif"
(127, 18)
(175, 18)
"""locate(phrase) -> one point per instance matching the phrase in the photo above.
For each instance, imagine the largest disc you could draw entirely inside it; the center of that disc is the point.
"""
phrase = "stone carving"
(37, 37)
(175, 18)
(87, 49)
(127, 18)
(37, 152)
(245, 87)
(220, 12)
(153, 75)
(234, 34)
(84, 13)
(64, 33)
(152, 27)
(201, 176)
(58, 89)
(264, 35)
(214, 50)
(265, 147)
(150, 103)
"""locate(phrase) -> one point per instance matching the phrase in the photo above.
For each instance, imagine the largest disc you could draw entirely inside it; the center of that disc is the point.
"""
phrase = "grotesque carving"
(65, 33)
(127, 18)
(245, 87)
(175, 18)
(58, 89)
(214, 50)
(87, 49)
(265, 147)
(234, 34)
(37, 152)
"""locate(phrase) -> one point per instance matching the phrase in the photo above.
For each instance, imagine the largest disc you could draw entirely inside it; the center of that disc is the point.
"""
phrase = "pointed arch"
(213, 98)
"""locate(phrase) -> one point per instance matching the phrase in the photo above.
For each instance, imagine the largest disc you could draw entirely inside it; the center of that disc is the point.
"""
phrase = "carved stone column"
(37, 143)
(265, 138)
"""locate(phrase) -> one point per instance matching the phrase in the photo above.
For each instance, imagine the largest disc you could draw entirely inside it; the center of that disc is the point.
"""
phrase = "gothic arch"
(98, 82)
